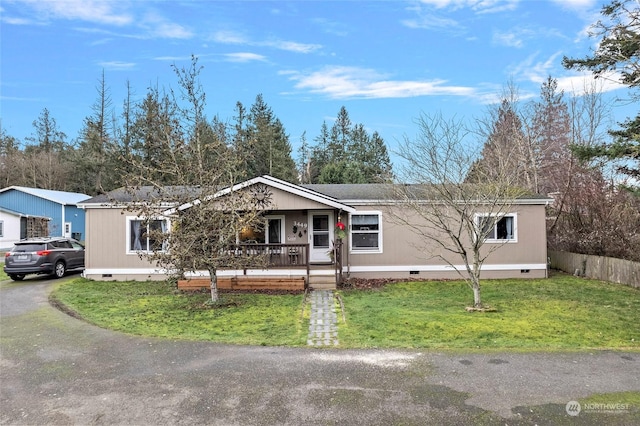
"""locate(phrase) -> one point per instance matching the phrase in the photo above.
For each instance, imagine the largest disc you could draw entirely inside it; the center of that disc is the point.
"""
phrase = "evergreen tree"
(44, 157)
(503, 151)
(341, 136)
(93, 157)
(271, 147)
(347, 154)
(11, 160)
(156, 134)
(319, 154)
(304, 160)
(618, 50)
(551, 129)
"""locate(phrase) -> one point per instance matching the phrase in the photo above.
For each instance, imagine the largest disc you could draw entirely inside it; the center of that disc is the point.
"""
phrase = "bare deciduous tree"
(190, 203)
(453, 216)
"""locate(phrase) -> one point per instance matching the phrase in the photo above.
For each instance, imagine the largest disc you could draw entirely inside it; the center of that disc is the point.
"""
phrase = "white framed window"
(271, 231)
(275, 229)
(1, 228)
(141, 235)
(498, 228)
(365, 232)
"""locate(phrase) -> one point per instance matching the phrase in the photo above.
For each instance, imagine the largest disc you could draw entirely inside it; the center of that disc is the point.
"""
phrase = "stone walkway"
(323, 326)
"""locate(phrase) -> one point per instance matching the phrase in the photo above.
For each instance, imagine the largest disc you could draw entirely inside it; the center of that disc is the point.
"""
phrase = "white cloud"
(582, 83)
(352, 82)
(290, 46)
(97, 11)
(576, 4)
(117, 65)
(158, 26)
(243, 57)
(228, 37)
(109, 13)
(11, 20)
(510, 39)
(232, 37)
(537, 72)
(173, 58)
(480, 6)
(431, 21)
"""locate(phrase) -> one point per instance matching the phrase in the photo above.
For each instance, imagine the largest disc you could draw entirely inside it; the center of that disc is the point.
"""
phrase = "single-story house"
(66, 219)
(300, 230)
(15, 226)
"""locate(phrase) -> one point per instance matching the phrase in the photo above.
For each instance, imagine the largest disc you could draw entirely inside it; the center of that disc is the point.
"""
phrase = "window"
(1, 229)
(61, 244)
(271, 232)
(142, 235)
(275, 230)
(366, 235)
(497, 228)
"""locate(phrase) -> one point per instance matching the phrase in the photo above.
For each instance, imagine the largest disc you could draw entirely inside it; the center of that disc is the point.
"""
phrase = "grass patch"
(154, 309)
(3, 275)
(563, 312)
(631, 398)
(560, 313)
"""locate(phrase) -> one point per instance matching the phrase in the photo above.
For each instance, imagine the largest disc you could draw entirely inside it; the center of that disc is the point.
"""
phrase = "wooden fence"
(597, 267)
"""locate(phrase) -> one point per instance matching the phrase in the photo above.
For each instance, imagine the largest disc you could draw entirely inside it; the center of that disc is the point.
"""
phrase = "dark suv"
(54, 255)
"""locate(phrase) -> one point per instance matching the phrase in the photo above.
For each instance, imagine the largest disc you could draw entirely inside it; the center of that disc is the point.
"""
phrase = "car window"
(64, 244)
(28, 247)
(77, 246)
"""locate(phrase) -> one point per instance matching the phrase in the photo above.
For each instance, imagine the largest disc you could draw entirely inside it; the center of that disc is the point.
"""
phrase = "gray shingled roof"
(340, 192)
(363, 191)
(377, 192)
(122, 195)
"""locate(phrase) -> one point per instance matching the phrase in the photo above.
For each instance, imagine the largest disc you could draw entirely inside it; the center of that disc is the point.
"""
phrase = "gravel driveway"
(57, 370)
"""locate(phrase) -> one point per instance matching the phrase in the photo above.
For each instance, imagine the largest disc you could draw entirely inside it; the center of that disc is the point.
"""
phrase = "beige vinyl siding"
(106, 244)
(402, 247)
(286, 201)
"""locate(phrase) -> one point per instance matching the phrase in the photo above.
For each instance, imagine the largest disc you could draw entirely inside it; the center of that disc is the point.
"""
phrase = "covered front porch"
(286, 267)
(297, 238)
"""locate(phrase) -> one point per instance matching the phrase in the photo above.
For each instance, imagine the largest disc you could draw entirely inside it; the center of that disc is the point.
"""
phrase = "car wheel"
(60, 269)
(16, 277)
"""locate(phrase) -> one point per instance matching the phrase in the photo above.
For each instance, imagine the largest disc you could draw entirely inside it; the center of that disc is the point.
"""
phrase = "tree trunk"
(475, 279)
(477, 303)
(214, 285)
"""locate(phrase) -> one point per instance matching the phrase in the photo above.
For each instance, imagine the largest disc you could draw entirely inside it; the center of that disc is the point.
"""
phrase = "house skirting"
(419, 272)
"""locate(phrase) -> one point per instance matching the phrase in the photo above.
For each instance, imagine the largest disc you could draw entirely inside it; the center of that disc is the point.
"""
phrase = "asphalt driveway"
(55, 369)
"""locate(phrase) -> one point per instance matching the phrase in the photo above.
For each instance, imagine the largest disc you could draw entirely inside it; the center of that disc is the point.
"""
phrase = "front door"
(321, 236)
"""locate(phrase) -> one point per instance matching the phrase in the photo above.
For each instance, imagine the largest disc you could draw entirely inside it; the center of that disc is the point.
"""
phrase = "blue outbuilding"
(61, 209)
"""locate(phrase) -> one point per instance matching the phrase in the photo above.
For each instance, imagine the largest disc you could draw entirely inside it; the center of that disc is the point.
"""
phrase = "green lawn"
(561, 313)
(156, 309)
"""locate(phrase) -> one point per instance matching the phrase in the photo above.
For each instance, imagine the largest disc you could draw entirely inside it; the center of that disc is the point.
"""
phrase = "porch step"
(322, 282)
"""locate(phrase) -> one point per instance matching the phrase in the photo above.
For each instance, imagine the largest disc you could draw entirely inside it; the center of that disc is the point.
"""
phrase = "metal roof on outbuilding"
(60, 197)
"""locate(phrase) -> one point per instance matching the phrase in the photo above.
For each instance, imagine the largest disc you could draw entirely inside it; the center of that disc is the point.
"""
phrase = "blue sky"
(385, 61)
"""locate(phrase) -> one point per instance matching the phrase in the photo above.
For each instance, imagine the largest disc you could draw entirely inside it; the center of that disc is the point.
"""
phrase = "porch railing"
(279, 255)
